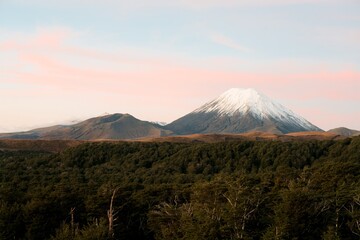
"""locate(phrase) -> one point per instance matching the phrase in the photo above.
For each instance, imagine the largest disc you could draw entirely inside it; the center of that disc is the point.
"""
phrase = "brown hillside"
(37, 145)
(250, 136)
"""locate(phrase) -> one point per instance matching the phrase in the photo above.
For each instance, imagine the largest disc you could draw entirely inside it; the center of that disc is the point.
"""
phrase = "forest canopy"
(228, 190)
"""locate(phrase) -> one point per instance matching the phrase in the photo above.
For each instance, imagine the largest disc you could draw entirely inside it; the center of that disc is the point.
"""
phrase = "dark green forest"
(228, 190)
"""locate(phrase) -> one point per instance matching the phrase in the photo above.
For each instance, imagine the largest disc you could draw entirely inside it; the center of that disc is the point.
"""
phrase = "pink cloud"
(55, 72)
(52, 38)
(43, 38)
(53, 67)
(44, 53)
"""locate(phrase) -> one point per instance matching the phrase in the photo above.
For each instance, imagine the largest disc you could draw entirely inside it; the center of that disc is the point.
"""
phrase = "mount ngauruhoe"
(239, 111)
(235, 111)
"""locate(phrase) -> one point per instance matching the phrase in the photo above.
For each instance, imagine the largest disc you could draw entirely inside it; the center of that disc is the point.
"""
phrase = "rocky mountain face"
(239, 111)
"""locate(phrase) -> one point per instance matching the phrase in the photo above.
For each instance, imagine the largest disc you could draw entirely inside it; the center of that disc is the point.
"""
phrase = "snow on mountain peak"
(236, 96)
(243, 101)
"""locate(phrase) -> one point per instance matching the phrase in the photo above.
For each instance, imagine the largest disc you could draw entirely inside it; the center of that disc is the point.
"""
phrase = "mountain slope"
(238, 111)
(345, 132)
(115, 126)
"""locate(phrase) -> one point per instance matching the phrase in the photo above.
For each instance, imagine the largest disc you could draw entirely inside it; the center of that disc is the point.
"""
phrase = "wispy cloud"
(48, 61)
(228, 42)
(46, 58)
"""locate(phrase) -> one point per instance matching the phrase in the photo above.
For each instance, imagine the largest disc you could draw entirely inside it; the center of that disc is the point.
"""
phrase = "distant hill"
(114, 126)
(345, 132)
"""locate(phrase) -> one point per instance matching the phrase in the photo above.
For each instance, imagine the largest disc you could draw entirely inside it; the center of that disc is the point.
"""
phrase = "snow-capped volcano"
(238, 100)
(241, 110)
(244, 100)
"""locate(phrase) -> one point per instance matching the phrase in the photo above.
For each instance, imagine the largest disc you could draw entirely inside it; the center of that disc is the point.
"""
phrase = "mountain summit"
(241, 110)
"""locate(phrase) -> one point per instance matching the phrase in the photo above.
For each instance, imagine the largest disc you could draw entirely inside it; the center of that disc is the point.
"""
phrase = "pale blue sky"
(158, 60)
